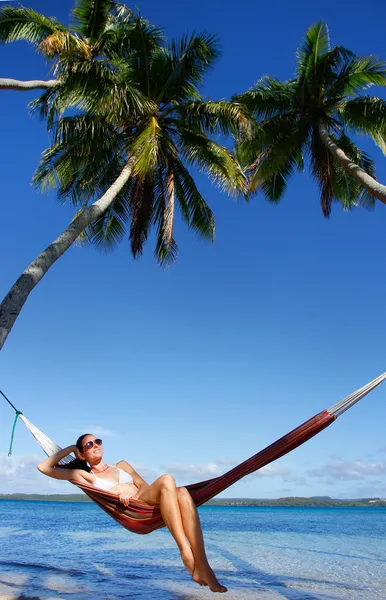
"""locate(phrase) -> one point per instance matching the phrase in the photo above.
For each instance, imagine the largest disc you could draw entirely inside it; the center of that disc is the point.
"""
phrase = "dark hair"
(77, 463)
(79, 441)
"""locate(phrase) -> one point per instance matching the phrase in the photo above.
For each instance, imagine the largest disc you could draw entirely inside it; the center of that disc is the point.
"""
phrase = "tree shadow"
(131, 579)
(328, 553)
(248, 577)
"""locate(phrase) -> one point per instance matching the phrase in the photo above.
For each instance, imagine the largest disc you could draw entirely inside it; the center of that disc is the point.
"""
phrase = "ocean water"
(76, 552)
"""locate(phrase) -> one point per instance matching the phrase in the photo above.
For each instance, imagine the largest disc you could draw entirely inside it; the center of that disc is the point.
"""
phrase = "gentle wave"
(41, 567)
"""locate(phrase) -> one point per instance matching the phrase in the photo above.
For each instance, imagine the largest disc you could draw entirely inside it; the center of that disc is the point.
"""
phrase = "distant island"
(317, 501)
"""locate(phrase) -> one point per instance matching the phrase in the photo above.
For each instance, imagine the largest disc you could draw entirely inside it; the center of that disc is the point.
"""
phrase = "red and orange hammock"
(139, 517)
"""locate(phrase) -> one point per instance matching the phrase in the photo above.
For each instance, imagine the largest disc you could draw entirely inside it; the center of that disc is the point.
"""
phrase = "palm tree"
(312, 116)
(124, 158)
(97, 27)
(83, 56)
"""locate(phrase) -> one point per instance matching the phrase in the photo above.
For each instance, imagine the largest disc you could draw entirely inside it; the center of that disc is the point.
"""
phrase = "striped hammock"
(139, 517)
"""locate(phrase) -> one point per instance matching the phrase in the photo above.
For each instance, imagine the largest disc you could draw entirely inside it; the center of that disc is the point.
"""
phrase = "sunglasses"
(89, 445)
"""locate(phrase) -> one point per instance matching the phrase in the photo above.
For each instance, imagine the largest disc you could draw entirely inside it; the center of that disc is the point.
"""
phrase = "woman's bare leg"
(203, 573)
(164, 492)
(180, 515)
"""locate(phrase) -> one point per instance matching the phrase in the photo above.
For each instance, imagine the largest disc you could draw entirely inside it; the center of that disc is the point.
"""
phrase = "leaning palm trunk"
(22, 86)
(14, 301)
(375, 189)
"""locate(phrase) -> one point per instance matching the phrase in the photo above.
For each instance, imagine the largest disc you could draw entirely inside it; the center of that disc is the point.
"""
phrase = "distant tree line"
(236, 502)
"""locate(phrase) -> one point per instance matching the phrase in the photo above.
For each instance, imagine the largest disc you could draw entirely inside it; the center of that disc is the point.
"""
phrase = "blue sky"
(193, 369)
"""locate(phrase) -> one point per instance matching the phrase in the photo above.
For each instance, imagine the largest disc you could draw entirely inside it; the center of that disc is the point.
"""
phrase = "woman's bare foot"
(204, 575)
(188, 559)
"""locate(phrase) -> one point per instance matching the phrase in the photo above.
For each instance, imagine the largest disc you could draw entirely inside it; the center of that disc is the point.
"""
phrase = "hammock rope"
(343, 405)
(17, 415)
(141, 518)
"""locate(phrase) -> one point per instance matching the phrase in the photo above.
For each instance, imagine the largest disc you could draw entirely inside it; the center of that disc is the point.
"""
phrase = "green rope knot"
(13, 431)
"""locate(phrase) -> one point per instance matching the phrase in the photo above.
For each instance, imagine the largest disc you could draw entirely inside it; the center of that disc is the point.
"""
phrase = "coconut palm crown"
(173, 132)
(137, 99)
(310, 118)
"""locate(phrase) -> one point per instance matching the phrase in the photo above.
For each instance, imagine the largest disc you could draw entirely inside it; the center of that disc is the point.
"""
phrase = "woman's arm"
(49, 466)
(138, 481)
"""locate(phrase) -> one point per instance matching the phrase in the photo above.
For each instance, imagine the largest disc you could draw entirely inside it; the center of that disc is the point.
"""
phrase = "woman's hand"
(125, 498)
(75, 450)
(48, 466)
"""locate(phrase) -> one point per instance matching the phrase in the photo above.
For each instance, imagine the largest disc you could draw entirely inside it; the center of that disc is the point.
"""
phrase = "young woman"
(177, 507)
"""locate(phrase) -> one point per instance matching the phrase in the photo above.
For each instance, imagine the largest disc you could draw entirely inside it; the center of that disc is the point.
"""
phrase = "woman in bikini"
(177, 507)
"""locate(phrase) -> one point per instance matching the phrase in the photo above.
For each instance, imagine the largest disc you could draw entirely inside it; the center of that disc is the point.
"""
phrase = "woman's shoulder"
(123, 464)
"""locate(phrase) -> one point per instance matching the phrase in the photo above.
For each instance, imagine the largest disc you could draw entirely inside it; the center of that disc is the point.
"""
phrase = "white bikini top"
(107, 484)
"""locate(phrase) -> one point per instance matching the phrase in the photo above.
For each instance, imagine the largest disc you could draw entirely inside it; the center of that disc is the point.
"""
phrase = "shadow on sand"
(243, 581)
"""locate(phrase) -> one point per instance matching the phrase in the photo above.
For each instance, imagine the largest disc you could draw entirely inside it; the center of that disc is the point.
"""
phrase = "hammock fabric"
(141, 518)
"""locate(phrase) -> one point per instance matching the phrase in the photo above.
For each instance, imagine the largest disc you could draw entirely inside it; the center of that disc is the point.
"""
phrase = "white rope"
(48, 445)
(343, 405)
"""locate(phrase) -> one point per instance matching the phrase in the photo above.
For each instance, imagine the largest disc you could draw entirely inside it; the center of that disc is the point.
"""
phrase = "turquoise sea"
(75, 551)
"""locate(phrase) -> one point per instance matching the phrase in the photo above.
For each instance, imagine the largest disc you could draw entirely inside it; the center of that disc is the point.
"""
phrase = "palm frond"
(266, 134)
(360, 73)
(194, 209)
(280, 159)
(321, 76)
(90, 18)
(215, 117)
(65, 45)
(189, 59)
(94, 88)
(145, 40)
(179, 89)
(147, 148)
(315, 44)
(115, 42)
(358, 195)
(322, 169)
(268, 98)
(106, 232)
(84, 160)
(346, 190)
(274, 187)
(214, 160)
(141, 210)
(380, 140)
(26, 24)
(365, 114)
(121, 13)
(166, 256)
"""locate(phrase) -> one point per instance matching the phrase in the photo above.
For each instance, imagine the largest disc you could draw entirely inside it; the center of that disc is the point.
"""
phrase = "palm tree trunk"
(375, 189)
(22, 86)
(14, 301)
